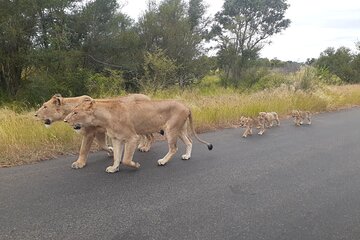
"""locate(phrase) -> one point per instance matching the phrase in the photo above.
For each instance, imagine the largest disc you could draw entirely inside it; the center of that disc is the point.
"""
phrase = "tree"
(17, 26)
(179, 30)
(243, 27)
(340, 62)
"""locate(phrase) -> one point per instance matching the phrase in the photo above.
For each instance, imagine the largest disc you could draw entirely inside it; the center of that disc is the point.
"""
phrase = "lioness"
(270, 118)
(124, 122)
(299, 117)
(252, 122)
(58, 107)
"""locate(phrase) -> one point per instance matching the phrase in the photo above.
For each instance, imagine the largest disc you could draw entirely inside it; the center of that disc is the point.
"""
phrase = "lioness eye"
(75, 113)
(45, 107)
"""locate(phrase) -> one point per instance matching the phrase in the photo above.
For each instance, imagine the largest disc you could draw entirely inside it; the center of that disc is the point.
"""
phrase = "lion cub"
(299, 117)
(252, 122)
(270, 118)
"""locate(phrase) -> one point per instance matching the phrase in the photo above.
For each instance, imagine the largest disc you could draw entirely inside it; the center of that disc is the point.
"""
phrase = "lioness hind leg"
(130, 147)
(172, 139)
(84, 151)
(188, 142)
(117, 144)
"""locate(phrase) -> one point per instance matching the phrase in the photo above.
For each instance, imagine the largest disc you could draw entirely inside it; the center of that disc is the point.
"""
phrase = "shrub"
(109, 83)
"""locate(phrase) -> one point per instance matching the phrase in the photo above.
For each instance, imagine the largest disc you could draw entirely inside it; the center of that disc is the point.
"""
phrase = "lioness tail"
(209, 145)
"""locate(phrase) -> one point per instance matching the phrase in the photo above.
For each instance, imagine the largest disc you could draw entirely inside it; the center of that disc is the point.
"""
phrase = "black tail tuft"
(210, 146)
(162, 132)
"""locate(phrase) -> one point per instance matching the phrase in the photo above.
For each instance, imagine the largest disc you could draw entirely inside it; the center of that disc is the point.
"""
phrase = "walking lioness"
(58, 107)
(124, 123)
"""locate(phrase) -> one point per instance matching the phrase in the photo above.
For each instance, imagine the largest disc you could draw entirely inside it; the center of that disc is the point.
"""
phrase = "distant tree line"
(79, 47)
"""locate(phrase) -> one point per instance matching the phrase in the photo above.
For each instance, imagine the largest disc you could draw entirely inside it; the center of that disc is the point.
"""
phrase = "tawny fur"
(300, 116)
(125, 122)
(57, 108)
(270, 118)
(250, 123)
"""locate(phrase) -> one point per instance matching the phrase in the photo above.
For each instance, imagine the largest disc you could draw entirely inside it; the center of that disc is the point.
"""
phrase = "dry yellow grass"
(25, 140)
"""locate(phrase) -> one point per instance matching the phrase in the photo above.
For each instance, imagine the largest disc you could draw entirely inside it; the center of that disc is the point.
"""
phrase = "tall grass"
(25, 140)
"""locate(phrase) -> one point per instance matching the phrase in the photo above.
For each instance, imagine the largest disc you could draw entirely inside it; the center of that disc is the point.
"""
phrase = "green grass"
(23, 139)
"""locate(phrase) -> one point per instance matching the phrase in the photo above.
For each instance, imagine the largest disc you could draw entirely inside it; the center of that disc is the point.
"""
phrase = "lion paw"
(110, 151)
(78, 165)
(161, 162)
(144, 149)
(185, 157)
(137, 165)
(112, 169)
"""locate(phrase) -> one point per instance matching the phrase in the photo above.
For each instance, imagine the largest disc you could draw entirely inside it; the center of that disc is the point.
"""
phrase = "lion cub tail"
(209, 145)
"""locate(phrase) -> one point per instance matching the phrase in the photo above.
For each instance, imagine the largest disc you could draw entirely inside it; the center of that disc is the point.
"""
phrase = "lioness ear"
(57, 99)
(89, 104)
(87, 98)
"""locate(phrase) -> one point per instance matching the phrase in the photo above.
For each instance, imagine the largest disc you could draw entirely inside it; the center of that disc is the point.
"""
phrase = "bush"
(110, 83)
(272, 80)
(159, 71)
(327, 77)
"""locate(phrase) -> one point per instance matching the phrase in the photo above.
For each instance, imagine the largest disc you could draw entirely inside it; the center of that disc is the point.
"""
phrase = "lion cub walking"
(250, 122)
(125, 122)
(270, 118)
(300, 116)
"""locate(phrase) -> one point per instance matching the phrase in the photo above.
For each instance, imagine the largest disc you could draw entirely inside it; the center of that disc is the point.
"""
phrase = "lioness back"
(154, 115)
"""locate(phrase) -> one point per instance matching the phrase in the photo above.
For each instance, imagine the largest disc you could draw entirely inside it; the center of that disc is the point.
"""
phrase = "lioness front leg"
(84, 151)
(117, 145)
(130, 147)
(101, 140)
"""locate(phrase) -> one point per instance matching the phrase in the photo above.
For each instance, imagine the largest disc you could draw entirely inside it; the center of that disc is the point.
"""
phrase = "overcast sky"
(315, 26)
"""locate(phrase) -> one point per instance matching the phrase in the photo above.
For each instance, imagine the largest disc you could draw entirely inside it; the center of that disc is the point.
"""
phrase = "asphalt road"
(292, 183)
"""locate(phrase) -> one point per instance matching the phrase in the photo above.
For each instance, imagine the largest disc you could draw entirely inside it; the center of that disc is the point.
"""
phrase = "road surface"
(292, 183)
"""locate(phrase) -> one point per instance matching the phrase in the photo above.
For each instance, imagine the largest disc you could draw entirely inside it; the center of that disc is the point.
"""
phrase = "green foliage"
(327, 77)
(271, 80)
(178, 28)
(342, 63)
(110, 83)
(159, 71)
(241, 30)
(306, 79)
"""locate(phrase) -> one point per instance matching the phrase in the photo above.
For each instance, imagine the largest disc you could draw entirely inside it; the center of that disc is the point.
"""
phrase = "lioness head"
(82, 115)
(51, 110)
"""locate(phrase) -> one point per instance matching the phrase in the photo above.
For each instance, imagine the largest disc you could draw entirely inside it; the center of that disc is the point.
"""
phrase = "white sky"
(315, 26)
